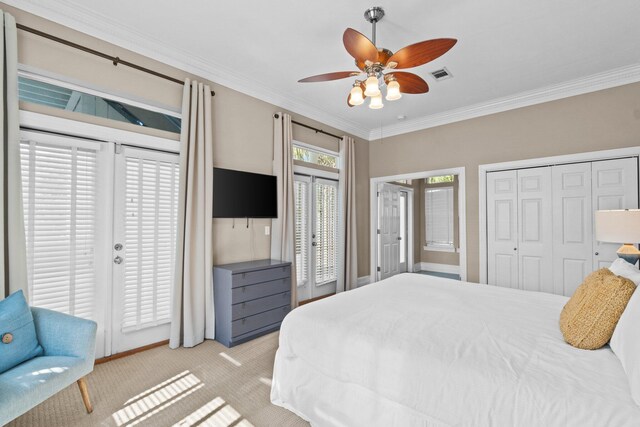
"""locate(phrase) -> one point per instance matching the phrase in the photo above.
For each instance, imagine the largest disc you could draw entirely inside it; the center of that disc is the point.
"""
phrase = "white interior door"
(316, 231)
(572, 225)
(145, 219)
(388, 231)
(614, 186)
(535, 233)
(502, 229)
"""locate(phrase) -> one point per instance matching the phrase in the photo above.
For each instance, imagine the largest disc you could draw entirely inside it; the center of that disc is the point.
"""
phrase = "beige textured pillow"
(588, 319)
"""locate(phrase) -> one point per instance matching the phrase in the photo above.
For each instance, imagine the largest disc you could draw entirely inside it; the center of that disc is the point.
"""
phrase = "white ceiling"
(510, 53)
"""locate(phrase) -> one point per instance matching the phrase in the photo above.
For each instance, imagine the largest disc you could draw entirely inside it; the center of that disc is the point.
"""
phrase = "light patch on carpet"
(230, 359)
(153, 403)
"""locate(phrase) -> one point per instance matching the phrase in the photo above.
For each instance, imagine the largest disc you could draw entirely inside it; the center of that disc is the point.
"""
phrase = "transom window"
(316, 157)
(439, 179)
(61, 97)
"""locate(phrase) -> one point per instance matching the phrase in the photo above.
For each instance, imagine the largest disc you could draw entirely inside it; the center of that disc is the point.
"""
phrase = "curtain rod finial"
(276, 116)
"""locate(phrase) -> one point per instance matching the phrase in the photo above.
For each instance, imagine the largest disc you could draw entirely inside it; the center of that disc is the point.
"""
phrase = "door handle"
(314, 244)
(597, 253)
(118, 260)
(399, 238)
(117, 246)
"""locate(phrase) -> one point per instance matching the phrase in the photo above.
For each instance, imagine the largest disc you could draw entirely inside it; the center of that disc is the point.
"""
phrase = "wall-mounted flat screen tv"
(238, 194)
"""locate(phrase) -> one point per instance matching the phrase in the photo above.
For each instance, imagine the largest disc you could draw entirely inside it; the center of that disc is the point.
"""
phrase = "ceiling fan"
(374, 62)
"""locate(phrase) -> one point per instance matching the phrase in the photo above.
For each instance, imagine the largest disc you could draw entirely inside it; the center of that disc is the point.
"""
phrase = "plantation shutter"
(59, 183)
(326, 211)
(151, 209)
(439, 216)
(302, 224)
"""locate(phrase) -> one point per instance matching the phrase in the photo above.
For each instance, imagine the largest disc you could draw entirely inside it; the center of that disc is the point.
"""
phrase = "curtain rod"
(312, 128)
(114, 59)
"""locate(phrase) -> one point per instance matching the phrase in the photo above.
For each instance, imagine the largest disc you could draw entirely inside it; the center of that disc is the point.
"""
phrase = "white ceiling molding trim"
(106, 29)
(606, 80)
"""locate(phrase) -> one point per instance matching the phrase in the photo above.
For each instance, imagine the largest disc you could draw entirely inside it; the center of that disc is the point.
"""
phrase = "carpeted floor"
(209, 385)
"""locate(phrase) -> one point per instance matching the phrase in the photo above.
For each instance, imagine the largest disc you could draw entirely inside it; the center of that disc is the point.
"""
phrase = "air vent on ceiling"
(441, 74)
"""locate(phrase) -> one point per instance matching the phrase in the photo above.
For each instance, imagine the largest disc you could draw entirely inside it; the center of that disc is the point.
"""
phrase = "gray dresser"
(251, 299)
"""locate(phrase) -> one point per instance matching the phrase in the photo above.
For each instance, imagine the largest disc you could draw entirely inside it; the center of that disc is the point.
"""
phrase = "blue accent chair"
(69, 352)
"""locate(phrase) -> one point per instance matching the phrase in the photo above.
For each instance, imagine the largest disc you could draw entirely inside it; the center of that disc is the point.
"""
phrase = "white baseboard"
(438, 268)
(364, 280)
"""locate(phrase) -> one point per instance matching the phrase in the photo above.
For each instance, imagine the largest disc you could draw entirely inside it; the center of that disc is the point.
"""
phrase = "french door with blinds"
(100, 226)
(316, 233)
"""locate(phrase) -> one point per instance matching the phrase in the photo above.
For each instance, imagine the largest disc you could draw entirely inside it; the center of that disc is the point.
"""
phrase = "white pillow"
(625, 343)
(622, 268)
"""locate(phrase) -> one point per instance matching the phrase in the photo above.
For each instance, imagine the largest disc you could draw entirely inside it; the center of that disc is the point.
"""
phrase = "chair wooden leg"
(84, 391)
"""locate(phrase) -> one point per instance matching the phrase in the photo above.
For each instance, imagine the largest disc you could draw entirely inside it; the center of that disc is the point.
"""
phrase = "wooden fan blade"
(410, 83)
(329, 76)
(359, 46)
(420, 53)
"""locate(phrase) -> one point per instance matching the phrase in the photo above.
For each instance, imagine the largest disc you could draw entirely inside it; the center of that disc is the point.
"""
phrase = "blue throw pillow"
(18, 340)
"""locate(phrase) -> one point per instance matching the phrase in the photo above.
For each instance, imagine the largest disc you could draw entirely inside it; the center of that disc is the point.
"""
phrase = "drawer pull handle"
(244, 320)
(244, 304)
(244, 288)
(244, 275)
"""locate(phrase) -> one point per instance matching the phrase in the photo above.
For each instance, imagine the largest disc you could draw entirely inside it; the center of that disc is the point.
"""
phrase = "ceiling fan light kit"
(374, 62)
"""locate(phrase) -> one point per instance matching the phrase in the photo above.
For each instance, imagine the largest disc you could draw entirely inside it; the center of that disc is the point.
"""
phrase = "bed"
(416, 350)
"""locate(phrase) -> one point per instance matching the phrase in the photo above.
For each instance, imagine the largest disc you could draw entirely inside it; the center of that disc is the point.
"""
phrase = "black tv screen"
(238, 194)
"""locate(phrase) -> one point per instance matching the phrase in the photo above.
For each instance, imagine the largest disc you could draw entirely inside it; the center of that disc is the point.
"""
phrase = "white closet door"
(535, 234)
(572, 225)
(502, 226)
(614, 186)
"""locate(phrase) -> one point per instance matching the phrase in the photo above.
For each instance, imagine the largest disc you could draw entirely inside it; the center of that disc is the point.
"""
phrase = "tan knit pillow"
(589, 317)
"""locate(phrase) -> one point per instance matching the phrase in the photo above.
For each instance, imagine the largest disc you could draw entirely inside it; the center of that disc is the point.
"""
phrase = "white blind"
(439, 216)
(326, 218)
(302, 224)
(59, 184)
(151, 209)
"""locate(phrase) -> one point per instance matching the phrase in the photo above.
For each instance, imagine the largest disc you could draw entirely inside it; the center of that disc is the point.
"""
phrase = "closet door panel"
(572, 226)
(535, 234)
(614, 186)
(502, 239)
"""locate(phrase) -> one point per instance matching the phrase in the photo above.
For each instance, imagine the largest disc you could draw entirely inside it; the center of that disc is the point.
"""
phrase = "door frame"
(109, 138)
(590, 156)
(373, 218)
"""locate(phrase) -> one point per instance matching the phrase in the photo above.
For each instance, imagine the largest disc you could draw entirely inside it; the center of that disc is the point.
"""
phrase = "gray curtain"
(14, 254)
(283, 229)
(348, 268)
(192, 317)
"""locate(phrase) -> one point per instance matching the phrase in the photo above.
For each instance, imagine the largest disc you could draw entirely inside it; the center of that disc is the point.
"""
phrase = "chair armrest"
(60, 334)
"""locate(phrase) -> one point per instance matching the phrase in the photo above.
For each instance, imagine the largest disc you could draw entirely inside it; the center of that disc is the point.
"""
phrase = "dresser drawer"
(246, 293)
(247, 324)
(251, 277)
(252, 307)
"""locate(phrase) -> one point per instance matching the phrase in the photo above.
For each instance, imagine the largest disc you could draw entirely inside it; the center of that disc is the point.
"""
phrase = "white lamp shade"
(356, 96)
(371, 86)
(376, 102)
(393, 90)
(618, 226)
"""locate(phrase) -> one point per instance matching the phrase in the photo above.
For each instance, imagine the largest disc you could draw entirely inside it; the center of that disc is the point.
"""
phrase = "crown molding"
(111, 31)
(593, 83)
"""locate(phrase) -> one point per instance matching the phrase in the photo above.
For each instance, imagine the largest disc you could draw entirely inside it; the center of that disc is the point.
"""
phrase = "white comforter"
(416, 350)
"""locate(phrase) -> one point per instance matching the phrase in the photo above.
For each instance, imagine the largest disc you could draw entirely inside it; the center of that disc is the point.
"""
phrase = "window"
(65, 98)
(440, 179)
(60, 195)
(316, 157)
(439, 218)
